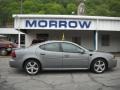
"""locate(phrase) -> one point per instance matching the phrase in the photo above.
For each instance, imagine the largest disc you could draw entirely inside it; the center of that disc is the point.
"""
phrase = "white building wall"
(114, 42)
(93, 22)
(108, 25)
(28, 38)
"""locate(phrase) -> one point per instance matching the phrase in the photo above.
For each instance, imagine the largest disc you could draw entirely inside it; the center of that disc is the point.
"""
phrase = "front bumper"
(113, 63)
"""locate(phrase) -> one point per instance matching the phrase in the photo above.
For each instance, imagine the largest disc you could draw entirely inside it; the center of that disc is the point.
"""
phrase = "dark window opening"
(40, 38)
(105, 40)
(76, 40)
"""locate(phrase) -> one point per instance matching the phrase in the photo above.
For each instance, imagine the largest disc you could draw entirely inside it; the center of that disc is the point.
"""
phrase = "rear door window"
(51, 47)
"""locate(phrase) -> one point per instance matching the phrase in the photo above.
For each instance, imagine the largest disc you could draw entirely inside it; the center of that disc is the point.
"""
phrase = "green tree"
(29, 6)
(7, 8)
(103, 7)
(93, 7)
(71, 7)
(114, 8)
(54, 8)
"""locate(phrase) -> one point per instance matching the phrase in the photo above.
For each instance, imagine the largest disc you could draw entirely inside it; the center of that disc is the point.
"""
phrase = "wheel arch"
(99, 58)
(32, 59)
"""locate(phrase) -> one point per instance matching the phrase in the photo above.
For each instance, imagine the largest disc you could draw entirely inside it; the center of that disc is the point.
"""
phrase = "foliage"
(93, 7)
(103, 7)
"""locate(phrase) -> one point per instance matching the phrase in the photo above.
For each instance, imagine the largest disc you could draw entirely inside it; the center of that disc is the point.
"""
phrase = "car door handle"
(42, 54)
(66, 56)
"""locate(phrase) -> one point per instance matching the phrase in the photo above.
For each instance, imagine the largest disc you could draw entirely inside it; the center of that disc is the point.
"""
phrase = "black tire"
(3, 52)
(98, 66)
(32, 67)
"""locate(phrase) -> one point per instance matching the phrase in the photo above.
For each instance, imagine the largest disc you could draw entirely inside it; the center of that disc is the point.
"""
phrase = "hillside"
(92, 7)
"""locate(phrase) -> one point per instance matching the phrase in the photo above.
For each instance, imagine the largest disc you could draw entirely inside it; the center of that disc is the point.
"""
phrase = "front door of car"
(51, 55)
(74, 56)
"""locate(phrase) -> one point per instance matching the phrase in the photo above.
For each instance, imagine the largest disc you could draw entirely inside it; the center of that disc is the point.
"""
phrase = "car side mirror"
(82, 51)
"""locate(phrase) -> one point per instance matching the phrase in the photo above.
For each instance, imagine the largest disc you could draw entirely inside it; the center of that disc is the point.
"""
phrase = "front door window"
(70, 48)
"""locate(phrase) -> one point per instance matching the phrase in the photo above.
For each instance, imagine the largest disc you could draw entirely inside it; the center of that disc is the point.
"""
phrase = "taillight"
(13, 54)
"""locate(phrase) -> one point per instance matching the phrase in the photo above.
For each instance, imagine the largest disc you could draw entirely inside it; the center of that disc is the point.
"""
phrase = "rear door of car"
(51, 55)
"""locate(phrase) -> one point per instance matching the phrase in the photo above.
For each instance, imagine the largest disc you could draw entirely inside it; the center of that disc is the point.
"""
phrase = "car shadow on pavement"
(112, 70)
(50, 72)
(18, 72)
(63, 71)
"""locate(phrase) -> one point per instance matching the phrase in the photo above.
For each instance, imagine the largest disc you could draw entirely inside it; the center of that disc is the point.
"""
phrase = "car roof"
(50, 41)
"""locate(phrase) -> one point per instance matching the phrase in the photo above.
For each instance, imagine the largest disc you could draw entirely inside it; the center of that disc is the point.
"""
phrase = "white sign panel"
(55, 24)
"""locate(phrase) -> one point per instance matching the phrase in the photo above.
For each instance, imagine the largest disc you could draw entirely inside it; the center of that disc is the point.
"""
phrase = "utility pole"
(19, 34)
(21, 6)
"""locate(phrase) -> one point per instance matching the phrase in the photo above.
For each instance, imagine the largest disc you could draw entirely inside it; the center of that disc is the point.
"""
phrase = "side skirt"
(65, 68)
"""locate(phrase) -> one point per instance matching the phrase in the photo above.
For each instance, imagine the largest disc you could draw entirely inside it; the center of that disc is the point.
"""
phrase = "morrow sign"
(61, 24)
(58, 24)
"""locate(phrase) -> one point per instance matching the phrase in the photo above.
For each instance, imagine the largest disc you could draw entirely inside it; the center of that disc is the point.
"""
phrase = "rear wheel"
(32, 67)
(99, 65)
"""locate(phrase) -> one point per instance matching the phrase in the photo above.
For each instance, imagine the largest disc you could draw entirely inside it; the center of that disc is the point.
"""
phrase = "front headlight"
(113, 56)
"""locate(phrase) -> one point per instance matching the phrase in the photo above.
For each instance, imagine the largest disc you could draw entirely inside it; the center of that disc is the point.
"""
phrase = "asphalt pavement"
(13, 79)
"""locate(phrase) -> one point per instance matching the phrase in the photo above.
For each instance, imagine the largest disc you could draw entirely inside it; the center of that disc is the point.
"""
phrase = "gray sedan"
(60, 55)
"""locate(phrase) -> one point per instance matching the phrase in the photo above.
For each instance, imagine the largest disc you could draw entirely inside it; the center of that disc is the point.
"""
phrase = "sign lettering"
(58, 24)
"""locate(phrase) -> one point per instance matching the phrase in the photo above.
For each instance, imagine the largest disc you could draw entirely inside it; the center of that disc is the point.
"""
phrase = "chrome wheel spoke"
(99, 62)
(33, 64)
(32, 70)
(35, 68)
(101, 69)
(29, 64)
(96, 65)
(28, 68)
(103, 64)
(97, 68)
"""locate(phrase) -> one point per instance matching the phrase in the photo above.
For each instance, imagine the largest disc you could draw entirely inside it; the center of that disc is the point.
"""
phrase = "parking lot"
(13, 79)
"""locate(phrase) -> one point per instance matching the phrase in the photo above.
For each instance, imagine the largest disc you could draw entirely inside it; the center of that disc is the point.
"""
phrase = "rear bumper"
(15, 64)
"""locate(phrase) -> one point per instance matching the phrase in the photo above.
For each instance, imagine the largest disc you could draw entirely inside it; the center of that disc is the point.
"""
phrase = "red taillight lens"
(13, 54)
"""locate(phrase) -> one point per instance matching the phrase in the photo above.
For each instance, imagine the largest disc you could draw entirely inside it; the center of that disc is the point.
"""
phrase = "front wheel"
(99, 65)
(32, 67)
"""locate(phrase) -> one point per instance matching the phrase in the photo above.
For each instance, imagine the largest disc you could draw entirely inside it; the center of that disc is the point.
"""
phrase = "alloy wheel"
(32, 67)
(99, 66)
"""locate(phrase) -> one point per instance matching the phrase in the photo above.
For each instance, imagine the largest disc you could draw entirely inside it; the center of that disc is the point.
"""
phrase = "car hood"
(100, 53)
